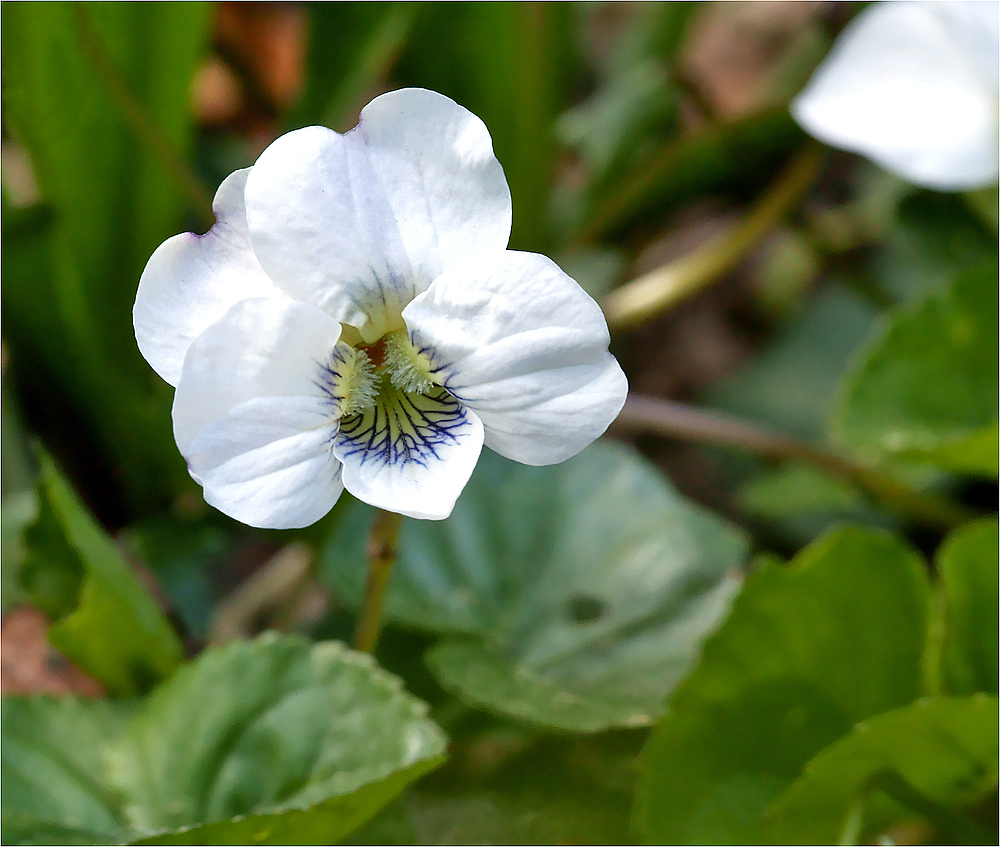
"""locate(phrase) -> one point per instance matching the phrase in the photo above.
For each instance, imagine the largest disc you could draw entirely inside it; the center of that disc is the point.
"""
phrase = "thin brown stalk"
(677, 420)
(382, 549)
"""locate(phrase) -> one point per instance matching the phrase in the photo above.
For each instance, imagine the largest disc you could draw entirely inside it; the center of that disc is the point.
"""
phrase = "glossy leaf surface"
(803, 657)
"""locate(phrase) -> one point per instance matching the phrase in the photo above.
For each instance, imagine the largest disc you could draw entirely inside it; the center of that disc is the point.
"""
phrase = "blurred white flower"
(913, 87)
(355, 320)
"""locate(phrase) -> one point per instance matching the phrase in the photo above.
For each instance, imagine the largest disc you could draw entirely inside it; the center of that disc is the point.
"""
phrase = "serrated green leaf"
(105, 620)
(967, 564)
(53, 792)
(587, 587)
(808, 650)
(927, 386)
(273, 741)
(925, 760)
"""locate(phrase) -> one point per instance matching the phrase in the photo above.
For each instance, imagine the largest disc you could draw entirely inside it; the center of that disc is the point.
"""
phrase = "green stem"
(659, 290)
(382, 548)
(141, 125)
(676, 420)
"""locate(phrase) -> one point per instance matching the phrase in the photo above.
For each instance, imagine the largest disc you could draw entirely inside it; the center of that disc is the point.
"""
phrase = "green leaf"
(273, 741)
(583, 589)
(17, 513)
(799, 502)
(928, 759)
(106, 622)
(927, 386)
(933, 235)
(790, 383)
(967, 563)
(797, 489)
(111, 201)
(505, 784)
(53, 792)
(808, 650)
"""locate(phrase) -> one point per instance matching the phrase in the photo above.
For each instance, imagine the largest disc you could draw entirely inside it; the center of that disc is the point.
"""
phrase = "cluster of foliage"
(579, 653)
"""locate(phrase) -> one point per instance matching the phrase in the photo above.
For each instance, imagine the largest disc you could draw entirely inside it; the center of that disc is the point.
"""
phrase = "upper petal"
(323, 229)
(358, 224)
(905, 86)
(267, 462)
(435, 163)
(522, 345)
(260, 348)
(410, 453)
(191, 281)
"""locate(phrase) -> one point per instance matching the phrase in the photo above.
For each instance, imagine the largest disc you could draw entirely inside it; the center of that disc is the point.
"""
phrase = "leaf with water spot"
(574, 596)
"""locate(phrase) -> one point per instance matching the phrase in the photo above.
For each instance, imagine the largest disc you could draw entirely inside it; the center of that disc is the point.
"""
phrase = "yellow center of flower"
(365, 372)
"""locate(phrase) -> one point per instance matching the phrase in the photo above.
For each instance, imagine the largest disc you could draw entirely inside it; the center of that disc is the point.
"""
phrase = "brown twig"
(677, 420)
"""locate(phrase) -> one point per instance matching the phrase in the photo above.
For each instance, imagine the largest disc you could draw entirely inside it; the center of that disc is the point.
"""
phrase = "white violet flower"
(355, 320)
(913, 87)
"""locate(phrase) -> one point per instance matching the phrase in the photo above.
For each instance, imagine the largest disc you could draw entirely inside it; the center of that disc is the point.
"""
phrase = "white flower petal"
(411, 453)
(435, 163)
(907, 86)
(324, 231)
(522, 345)
(259, 348)
(191, 281)
(268, 462)
(358, 224)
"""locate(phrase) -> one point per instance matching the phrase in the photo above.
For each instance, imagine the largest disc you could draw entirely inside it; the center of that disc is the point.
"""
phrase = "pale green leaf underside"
(581, 591)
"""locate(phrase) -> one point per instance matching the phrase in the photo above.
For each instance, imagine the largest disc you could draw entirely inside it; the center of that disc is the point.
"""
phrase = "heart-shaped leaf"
(808, 650)
(53, 786)
(272, 741)
(583, 590)
(967, 563)
(927, 388)
(926, 760)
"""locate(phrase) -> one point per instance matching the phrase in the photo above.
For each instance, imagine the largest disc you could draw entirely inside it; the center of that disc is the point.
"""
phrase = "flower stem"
(382, 547)
(676, 420)
(655, 292)
(142, 126)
